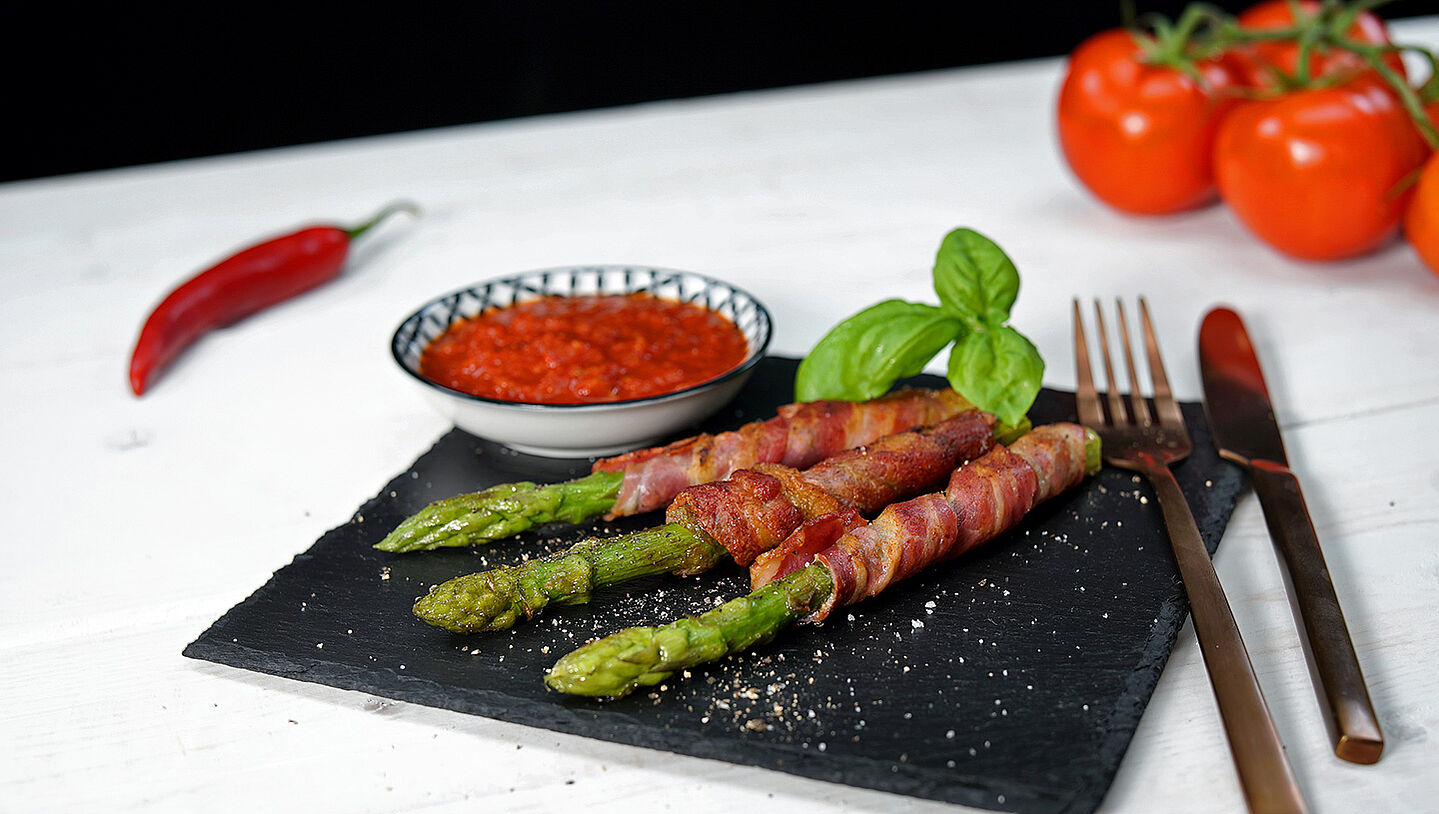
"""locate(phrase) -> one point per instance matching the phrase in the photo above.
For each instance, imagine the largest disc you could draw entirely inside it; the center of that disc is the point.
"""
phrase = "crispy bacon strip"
(755, 509)
(984, 499)
(801, 435)
(799, 549)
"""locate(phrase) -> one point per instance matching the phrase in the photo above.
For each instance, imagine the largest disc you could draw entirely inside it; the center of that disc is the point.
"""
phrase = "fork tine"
(1085, 398)
(1136, 395)
(1117, 411)
(1168, 409)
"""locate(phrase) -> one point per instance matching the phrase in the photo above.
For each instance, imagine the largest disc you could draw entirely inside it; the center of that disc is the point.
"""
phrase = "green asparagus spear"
(641, 656)
(511, 508)
(616, 665)
(503, 511)
(495, 600)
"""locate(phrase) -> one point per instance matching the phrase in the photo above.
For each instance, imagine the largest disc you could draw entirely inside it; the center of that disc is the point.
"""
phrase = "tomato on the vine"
(1256, 60)
(1421, 223)
(1320, 173)
(1139, 135)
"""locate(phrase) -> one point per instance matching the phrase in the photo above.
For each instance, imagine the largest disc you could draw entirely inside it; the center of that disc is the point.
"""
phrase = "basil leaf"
(976, 281)
(862, 357)
(998, 370)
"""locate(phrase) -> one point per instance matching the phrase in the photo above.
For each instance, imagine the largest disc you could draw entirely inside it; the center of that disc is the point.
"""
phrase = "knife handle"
(1333, 664)
(1265, 776)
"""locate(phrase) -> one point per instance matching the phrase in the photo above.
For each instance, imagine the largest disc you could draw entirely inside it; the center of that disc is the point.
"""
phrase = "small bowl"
(578, 430)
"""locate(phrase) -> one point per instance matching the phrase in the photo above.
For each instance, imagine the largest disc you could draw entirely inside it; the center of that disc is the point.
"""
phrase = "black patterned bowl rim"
(409, 329)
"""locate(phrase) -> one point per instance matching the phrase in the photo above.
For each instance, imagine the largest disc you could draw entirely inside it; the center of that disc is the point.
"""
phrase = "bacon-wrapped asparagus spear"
(647, 479)
(743, 516)
(838, 559)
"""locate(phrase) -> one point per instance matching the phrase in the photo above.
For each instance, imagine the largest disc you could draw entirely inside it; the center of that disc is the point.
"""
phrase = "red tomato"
(1139, 136)
(1255, 59)
(1421, 224)
(1316, 173)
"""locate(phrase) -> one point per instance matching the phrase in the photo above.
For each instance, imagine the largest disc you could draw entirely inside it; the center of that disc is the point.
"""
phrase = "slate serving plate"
(1012, 678)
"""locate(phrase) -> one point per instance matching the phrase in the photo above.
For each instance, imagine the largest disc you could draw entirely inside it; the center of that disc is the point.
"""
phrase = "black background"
(97, 87)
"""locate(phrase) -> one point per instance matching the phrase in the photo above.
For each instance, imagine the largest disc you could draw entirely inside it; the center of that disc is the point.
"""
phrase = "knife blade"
(1242, 423)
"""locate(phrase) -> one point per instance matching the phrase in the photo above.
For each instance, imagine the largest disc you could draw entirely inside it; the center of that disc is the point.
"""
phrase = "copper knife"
(1241, 419)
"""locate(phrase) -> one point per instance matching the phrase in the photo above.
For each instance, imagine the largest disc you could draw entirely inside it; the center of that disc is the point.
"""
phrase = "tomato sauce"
(584, 350)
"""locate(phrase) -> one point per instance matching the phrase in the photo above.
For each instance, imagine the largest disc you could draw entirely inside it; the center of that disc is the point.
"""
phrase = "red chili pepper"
(250, 281)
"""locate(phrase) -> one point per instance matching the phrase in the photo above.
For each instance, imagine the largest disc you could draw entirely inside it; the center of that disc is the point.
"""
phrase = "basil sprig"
(991, 364)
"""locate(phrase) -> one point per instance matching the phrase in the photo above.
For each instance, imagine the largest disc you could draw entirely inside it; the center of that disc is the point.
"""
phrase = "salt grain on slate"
(640, 608)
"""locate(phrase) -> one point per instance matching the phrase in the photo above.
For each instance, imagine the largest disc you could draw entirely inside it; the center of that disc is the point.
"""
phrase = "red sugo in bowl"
(545, 395)
(589, 349)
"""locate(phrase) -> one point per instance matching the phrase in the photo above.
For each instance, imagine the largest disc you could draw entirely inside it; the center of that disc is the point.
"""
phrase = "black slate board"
(1012, 678)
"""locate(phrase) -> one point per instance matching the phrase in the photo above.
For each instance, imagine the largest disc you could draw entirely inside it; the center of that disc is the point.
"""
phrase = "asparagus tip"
(473, 603)
(396, 542)
(454, 521)
(502, 511)
(611, 667)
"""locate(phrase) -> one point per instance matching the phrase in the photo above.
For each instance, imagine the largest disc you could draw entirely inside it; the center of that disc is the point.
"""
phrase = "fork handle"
(1333, 664)
(1265, 776)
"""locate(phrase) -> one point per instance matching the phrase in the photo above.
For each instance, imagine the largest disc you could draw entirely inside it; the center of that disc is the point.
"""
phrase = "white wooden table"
(131, 524)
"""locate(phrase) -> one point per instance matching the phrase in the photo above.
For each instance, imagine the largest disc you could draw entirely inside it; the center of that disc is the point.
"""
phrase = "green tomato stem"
(1328, 28)
(1408, 97)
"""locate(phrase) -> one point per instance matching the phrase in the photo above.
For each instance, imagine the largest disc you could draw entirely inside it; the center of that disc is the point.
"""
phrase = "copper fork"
(1149, 442)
